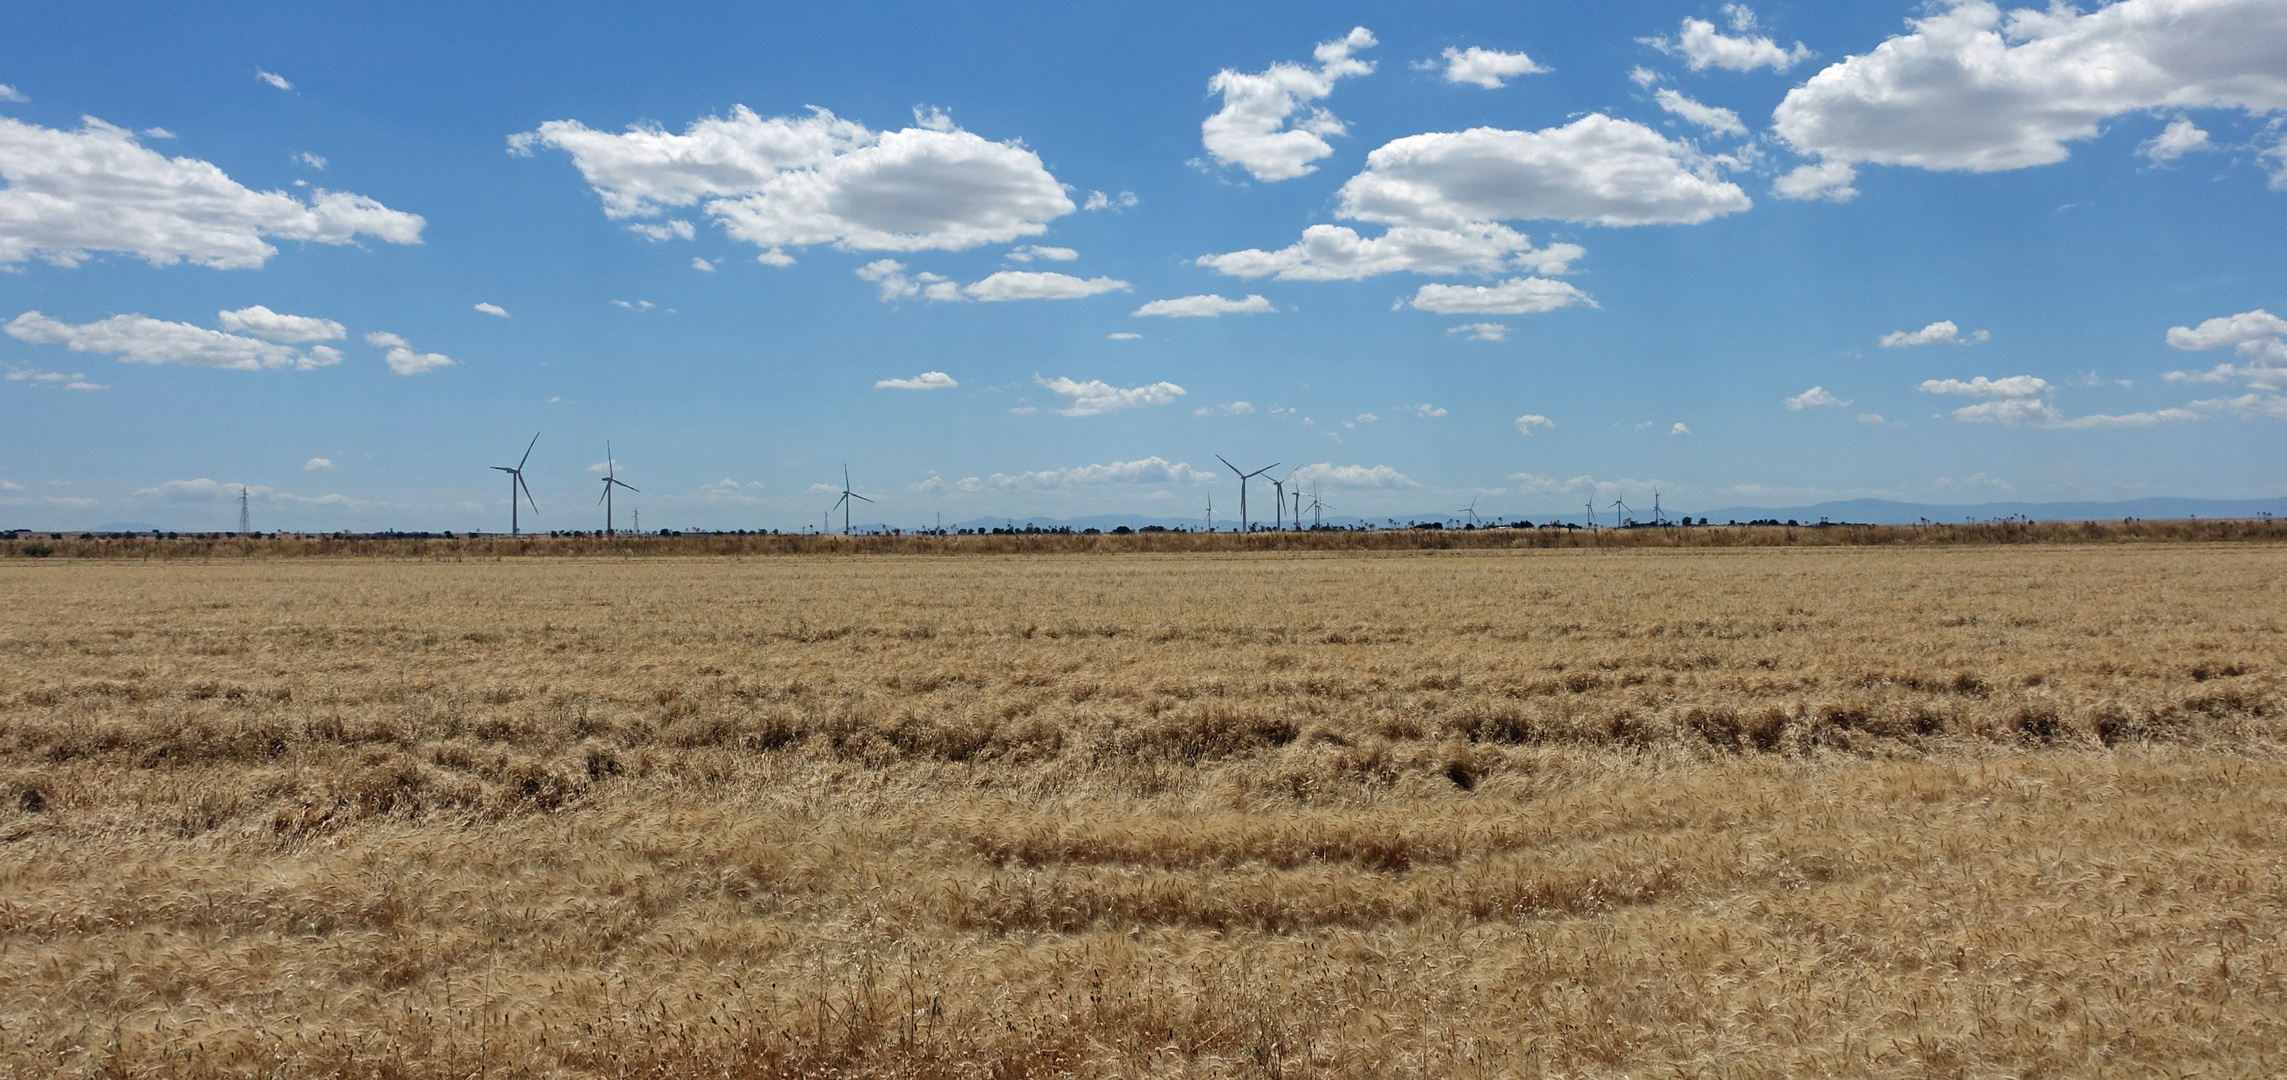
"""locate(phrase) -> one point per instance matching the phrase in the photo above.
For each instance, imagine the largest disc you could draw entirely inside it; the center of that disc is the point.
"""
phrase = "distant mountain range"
(1886, 512)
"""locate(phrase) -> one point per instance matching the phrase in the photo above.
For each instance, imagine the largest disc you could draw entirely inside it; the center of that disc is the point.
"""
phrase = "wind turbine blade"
(859, 497)
(503, 468)
(838, 502)
(527, 488)
(1226, 463)
(528, 450)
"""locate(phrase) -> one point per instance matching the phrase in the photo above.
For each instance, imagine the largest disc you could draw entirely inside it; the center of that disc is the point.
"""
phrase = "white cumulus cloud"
(1352, 476)
(1095, 397)
(140, 339)
(927, 380)
(1971, 88)
(278, 81)
(1481, 331)
(1828, 180)
(2246, 406)
(1714, 118)
(2023, 399)
(2180, 137)
(1488, 68)
(262, 322)
(401, 357)
(1036, 251)
(492, 309)
(1444, 193)
(1815, 397)
(53, 380)
(1229, 408)
(317, 464)
(10, 93)
(672, 229)
(1595, 169)
(1039, 285)
(1338, 253)
(2244, 329)
(795, 181)
(890, 275)
(1257, 129)
(1679, 429)
(2258, 336)
(1702, 46)
(896, 284)
(1123, 335)
(1151, 470)
(1516, 296)
(2014, 399)
(1195, 307)
(1942, 332)
(1531, 422)
(71, 193)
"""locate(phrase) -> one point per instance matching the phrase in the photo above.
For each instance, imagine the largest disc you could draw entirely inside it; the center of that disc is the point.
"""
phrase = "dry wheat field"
(1975, 811)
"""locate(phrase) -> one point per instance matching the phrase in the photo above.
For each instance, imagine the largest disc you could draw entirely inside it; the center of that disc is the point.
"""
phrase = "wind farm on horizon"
(1285, 517)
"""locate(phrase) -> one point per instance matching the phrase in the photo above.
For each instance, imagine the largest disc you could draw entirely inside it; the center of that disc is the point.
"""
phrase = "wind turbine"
(1279, 501)
(1297, 507)
(1619, 514)
(1472, 512)
(516, 481)
(1591, 514)
(843, 504)
(1243, 478)
(1317, 518)
(611, 477)
(1210, 511)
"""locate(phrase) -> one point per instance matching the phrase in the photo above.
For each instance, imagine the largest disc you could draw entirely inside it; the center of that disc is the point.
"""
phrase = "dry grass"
(1885, 811)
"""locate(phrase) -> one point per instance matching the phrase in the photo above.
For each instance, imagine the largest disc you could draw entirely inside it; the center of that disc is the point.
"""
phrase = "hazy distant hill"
(1885, 512)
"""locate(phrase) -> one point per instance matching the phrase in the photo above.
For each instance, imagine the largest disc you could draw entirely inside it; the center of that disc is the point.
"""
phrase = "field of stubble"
(1976, 812)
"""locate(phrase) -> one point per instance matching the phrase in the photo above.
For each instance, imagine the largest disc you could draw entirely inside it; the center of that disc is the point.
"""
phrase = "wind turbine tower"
(610, 478)
(843, 503)
(1278, 501)
(516, 483)
(1243, 478)
(245, 512)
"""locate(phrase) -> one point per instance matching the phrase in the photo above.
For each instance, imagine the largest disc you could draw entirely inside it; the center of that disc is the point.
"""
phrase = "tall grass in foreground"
(1888, 811)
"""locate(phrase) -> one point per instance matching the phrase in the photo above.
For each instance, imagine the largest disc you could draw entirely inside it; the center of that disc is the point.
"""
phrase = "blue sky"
(1051, 260)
